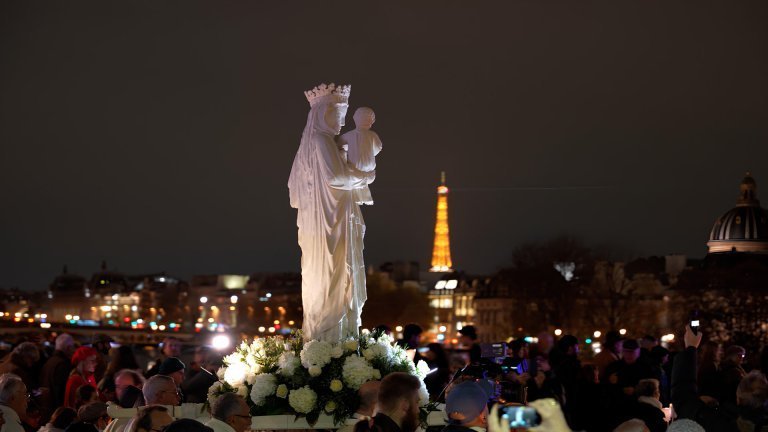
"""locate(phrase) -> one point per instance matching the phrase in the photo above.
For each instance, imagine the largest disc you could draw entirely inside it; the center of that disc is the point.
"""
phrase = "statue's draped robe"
(331, 230)
(362, 146)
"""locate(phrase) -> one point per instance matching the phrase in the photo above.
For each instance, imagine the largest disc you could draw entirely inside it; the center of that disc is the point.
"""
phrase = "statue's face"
(334, 116)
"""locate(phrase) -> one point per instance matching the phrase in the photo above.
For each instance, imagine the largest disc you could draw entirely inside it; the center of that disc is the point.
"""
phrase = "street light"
(558, 332)
(597, 333)
(203, 299)
(233, 299)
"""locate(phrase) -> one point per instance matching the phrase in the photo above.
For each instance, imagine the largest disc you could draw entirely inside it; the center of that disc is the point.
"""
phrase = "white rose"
(315, 371)
(422, 369)
(423, 395)
(376, 374)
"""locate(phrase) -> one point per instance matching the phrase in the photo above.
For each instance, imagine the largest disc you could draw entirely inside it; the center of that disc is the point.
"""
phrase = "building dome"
(744, 228)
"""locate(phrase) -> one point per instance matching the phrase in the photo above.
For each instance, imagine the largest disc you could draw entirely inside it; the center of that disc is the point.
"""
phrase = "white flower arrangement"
(279, 375)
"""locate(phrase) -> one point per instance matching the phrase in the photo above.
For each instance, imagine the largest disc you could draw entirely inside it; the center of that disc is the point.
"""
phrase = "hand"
(552, 418)
(495, 422)
(690, 339)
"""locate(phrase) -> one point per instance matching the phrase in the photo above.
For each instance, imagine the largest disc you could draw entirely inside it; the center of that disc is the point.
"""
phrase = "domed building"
(744, 228)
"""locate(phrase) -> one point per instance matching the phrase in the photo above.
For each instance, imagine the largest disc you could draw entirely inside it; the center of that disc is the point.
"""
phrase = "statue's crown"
(338, 94)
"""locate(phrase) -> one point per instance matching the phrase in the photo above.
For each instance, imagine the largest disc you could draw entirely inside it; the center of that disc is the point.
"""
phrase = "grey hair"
(226, 405)
(64, 341)
(27, 350)
(137, 378)
(154, 385)
(9, 384)
(685, 425)
(753, 390)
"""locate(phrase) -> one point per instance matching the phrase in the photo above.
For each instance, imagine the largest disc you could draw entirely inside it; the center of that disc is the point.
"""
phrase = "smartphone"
(423, 350)
(520, 416)
(695, 326)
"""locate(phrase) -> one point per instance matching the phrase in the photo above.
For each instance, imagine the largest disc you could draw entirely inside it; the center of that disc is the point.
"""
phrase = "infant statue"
(362, 145)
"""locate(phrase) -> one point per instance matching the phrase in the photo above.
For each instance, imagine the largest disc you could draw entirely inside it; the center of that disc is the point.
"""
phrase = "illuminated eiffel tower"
(441, 252)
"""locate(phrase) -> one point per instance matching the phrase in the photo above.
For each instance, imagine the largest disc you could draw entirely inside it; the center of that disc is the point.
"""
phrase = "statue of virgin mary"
(331, 226)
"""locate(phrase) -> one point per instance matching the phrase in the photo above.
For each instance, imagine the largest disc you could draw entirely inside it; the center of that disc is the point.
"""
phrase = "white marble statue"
(331, 227)
(362, 145)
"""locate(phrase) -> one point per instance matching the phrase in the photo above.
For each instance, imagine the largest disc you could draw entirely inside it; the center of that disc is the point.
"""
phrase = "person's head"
(153, 418)
(468, 335)
(174, 368)
(63, 417)
(102, 343)
(630, 351)
(412, 335)
(84, 360)
(201, 354)
(436, 355)
(519, 348)
(369, 394)
(648, 342)
(685, 425)
(127, 378)
(66, 344)
(399, 399)
(648, 387)
(568, 345)
(232, 409)
(735, 354)
(94, 413)
(659, 354)
(752, 391)
(161, 390)
(632, 425)
(364, 118)
(13, 393)
(85, 394)
(613, 341)
(27, 353)
(122, 357)
(171, 347)
(187, 425)
(467, 405)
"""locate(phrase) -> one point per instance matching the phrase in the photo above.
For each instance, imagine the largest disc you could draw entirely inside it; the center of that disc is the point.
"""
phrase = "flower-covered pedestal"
(288, 379)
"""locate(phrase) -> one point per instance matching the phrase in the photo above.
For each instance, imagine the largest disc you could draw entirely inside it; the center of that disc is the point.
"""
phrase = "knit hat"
(91, 412)
(465, 402)
(83, 353)
(170, 365)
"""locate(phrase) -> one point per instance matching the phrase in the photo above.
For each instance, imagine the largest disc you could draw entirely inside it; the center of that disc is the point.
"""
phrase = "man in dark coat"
(56, 370)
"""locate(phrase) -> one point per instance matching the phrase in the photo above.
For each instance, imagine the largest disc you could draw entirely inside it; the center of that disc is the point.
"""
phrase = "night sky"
(159, 135)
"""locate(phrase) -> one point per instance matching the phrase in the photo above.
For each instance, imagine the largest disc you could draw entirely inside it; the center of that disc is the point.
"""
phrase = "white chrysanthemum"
(302, 400)
(315, 371)
(423, 395)
(350, 345)
(220, 373)
(337, 351)
(356, 371)
(235, 374)
(422, 369)
(242, 391)
(316, 353)
(288, 362)
(214, 391)
(378, 350)
(264, 385)
(233, 358)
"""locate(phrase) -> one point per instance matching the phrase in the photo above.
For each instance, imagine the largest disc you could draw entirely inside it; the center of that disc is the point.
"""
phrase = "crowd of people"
(631, 385)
